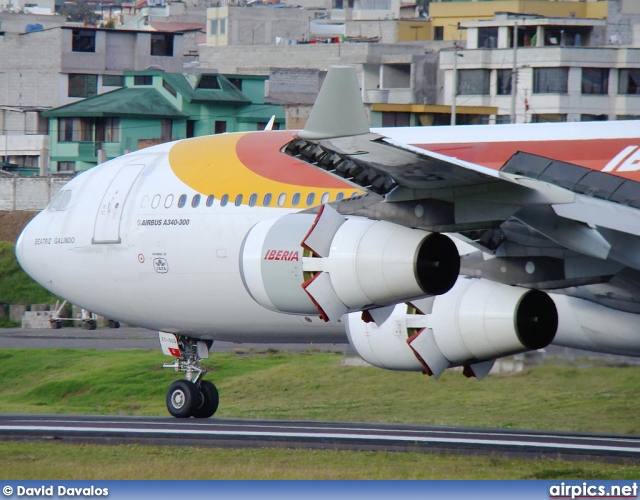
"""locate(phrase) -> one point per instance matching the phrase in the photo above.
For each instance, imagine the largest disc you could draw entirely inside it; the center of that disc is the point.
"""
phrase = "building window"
(595, 81)
(75, 130)
(396, 119)
(504, 82)
(488, 38)
(550, 80)
(161, 44)
(143, 80)
(169, 88)
(214, 27)
(223, 26)
(209, 82)
(236, 82)
(83, 41)
(438, 32)
(65, 166)
(549, 118)
(107, 129)
(473, 82)
(593, 118)
(113, 80)
(502, 119)
(83, 85)
(629, 82)
(220, 127)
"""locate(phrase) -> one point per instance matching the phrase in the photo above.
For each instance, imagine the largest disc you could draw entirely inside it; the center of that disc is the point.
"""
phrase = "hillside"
(16, 287)
(12, 223)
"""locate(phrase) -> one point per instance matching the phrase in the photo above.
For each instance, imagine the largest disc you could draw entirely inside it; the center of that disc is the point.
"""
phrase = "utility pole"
(514, 73)
(454, 91)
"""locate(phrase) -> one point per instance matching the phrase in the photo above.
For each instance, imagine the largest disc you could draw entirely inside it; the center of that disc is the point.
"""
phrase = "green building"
(153, 107)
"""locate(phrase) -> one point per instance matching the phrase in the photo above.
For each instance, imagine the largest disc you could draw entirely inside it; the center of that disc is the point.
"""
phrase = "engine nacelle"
(471, 325)
(328, 264)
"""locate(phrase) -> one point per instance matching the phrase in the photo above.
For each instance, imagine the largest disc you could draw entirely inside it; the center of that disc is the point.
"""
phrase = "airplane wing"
(539, 222)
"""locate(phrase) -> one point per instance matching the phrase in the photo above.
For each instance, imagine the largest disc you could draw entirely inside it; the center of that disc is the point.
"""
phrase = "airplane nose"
(20, 246)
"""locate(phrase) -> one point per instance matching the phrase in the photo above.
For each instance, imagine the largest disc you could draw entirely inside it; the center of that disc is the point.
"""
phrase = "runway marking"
(336, 436)
(630, 440)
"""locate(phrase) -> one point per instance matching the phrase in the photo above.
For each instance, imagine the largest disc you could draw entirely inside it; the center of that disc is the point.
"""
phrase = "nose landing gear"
(192, 397)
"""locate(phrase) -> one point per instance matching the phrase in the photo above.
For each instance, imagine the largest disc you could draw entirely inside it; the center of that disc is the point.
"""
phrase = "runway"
(108, 339)
(322, 435)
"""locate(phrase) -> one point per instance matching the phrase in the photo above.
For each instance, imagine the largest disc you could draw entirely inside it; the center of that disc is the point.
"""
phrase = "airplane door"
(107, 227)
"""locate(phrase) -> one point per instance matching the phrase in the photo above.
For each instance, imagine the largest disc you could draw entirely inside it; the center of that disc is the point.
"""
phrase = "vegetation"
(59, 461)
(16, 287)
(315, 386)
(311, 386)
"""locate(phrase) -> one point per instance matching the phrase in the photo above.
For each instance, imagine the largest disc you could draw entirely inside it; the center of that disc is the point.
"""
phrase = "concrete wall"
(16, 23)
(623, 22)
(28, 193)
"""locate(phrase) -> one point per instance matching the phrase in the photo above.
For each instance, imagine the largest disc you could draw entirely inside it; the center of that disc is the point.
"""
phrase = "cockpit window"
(55, 201)
(60, 201)
(64, 202)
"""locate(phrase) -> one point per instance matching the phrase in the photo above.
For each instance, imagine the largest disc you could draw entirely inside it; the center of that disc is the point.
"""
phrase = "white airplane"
(337, 231)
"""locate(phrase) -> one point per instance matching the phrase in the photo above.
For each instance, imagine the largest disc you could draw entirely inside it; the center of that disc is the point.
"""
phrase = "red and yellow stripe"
(251, 163)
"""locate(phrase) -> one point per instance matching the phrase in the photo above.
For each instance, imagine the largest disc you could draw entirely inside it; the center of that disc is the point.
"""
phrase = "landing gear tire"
(90, 325)
(183, 398)
(114, 324)
(209, 400)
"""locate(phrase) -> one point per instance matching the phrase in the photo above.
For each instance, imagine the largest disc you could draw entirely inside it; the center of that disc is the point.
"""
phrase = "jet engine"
(328, 264)
(474, 323)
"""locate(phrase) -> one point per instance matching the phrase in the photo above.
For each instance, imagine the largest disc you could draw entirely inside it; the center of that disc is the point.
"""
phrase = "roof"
(177, 27)
(142, 102)
(227, 92)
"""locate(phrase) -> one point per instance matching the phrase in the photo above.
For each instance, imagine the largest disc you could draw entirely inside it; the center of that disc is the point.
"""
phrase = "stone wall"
(30, 193)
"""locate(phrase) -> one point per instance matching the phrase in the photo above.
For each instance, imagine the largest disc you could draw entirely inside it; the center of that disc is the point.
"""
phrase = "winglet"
(338, 110)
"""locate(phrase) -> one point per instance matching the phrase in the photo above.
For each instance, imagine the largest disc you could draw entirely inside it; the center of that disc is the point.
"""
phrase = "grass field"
(315, 386)
(16, 287)
(58, 461)
(310, 386)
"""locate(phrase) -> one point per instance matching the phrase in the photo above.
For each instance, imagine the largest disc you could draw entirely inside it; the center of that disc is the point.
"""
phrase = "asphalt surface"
(111, 339)
(323, 435)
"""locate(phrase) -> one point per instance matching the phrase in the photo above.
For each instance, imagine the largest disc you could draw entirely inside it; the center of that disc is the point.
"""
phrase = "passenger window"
(253, 199)
(354, 194)
(238, 201)
(266, 201)
(156, 201)
(282, 199)
(64, 202)
(195, 201)
(339, 196)
(224, 200)
(182, 200)
(311, 197)
(145, 202)
(168, 201)
(324, 199)
(210, 199)
(295, 199)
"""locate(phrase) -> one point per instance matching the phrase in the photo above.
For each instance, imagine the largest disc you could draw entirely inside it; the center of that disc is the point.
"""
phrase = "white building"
(564, 71)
